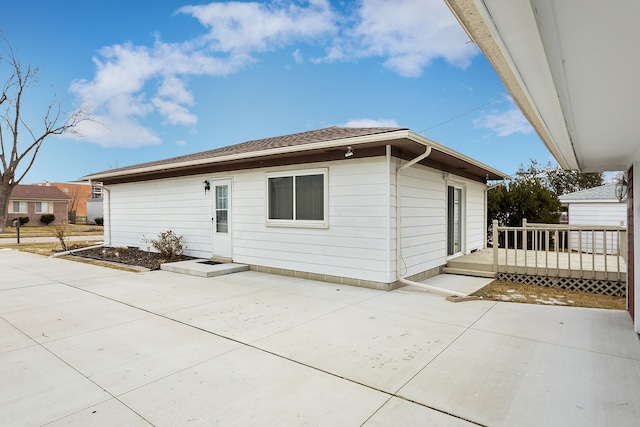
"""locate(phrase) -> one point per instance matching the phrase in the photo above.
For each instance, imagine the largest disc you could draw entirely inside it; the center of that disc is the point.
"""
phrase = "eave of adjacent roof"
(475, 18)
(389, 138)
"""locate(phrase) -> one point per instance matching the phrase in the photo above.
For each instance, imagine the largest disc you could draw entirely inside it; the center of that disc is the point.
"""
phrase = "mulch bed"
(129, 256)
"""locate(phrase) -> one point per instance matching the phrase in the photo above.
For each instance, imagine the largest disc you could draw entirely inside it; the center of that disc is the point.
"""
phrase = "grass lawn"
(499, 290)
(50, 247)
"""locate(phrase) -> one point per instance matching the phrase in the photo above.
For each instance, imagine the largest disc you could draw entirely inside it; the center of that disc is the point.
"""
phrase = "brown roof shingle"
(38, 192)
(321, 135)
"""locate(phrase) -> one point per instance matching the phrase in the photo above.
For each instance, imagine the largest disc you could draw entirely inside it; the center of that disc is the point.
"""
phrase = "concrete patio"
(86, 345)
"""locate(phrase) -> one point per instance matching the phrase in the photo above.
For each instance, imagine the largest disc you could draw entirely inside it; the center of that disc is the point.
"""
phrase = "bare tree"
(20, 142)
(72, 208)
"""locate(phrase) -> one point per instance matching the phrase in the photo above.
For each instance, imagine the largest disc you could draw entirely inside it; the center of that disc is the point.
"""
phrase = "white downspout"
(108, 191)
(401, 279)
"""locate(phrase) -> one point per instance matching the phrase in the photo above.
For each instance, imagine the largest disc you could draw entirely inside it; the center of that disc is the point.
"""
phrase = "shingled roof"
(255, 146)
(38, 192)
(603, 192)
(319, 145)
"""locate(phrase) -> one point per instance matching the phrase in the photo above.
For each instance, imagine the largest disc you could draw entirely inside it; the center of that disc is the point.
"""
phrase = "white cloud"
(181, 143)
(117, 132)
(297, 56)
(408, 33)
(249, 27)
(133, 83)
(504, 123)
(371, 123)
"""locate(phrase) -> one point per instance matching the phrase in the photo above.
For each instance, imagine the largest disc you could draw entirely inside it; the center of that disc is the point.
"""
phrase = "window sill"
(297, 224)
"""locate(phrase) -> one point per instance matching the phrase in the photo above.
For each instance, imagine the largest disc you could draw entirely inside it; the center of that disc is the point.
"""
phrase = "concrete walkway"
(85, 345)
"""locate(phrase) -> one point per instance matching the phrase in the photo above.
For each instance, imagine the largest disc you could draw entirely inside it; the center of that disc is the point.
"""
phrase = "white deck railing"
(590, 252)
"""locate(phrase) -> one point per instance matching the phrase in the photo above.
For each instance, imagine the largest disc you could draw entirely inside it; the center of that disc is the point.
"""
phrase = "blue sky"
(167, 78)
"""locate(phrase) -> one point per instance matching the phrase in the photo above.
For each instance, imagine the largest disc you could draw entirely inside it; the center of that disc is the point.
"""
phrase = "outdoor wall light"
(349, 152)
(206, 186)
(622, 188)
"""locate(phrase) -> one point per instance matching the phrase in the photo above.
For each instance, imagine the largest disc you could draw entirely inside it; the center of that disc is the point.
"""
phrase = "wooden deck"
(541, 263)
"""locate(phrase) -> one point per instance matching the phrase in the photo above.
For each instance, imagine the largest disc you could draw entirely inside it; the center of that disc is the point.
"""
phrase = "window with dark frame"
(297, 197)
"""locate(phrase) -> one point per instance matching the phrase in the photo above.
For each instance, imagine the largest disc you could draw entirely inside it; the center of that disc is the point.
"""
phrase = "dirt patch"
(500, 290)
(129, 256)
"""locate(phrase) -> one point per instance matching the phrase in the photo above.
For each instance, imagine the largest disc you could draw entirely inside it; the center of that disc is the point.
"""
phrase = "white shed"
(321, 204)
(596, 206)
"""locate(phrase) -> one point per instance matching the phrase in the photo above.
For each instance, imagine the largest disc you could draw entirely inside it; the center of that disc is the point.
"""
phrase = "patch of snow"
(511, 291)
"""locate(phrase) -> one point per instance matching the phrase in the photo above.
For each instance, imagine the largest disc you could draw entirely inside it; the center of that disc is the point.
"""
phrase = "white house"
(596, 206)
(567, 64)
(322, 204)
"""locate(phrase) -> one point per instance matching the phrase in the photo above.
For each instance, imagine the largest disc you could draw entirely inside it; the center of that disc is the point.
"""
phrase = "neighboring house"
(567, 66)
(596, 206)
(319, 204)
(33, 201)
(85, 202)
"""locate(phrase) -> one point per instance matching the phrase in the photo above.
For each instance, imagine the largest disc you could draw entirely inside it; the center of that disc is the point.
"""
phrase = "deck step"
(468, 272)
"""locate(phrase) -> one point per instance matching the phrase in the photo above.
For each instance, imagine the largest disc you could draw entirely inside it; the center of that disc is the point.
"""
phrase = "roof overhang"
(405, 144)
(572, 68)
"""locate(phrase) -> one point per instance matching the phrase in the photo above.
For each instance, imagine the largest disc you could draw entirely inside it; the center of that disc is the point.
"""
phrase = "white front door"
(221, 218)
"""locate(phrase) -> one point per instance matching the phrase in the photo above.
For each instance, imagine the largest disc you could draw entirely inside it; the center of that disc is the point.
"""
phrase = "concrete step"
(203, 268)
(468, 272)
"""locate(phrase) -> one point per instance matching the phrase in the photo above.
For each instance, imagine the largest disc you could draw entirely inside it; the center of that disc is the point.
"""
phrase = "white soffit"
(577, 63)
(593, 51)
(516, 29)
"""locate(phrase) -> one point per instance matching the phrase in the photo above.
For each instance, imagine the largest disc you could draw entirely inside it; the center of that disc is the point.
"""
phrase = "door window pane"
(222, 209)
(222, 223)
(454, 220)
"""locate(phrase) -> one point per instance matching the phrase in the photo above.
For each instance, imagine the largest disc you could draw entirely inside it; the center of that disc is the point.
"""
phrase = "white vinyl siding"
(355, 243)
(358, 241)
(424, 217)
(475, 221)
(423, 213)
(597, 214)
(145, 209)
